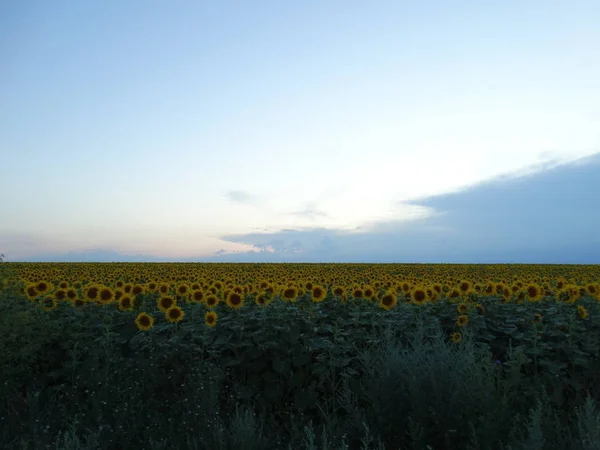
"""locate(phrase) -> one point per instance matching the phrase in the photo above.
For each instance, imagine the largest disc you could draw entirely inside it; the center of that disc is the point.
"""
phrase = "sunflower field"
(299, 356)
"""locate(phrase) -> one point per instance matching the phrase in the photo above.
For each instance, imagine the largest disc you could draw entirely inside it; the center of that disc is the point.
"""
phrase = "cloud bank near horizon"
(547, 214)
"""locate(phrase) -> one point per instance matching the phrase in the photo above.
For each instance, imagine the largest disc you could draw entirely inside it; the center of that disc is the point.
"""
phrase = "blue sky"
(312, 131)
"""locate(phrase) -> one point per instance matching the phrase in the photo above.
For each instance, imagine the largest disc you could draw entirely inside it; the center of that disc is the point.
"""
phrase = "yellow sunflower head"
(456, 337)
(290, 294)
(318, 293)
(388, 300)
(338, 290)
(533, 292)
(126, 303)
(211, 301)
(262, 299)
(462, 308)
(235, 300)
(91, 292)
(137, 289)
(144, 321)
(165, 302)
(106, 295)
(197, 296)
(210, 318)
(49, 303)
(418, 295)
(174, 314)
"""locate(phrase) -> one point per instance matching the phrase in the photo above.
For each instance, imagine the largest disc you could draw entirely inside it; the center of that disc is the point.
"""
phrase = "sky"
(384, 131)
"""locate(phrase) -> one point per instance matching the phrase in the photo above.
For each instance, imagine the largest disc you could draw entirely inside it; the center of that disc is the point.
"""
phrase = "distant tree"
(1, 257)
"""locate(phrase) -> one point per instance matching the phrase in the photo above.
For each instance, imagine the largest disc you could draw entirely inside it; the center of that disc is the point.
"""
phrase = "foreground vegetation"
(249, 356)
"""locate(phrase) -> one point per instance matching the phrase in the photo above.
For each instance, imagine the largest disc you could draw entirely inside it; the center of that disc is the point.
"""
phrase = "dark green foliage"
(301, 375)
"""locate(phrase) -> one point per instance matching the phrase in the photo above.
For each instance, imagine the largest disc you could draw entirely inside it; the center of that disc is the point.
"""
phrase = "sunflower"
(318, 293)
(406, 287)
(210, 318)
(471, 294)
(78, 301)
(106, 296)
(43, 287)
(432, 295)
(533, 293)
(174, 314)
(72, 294)
(338, 290)
(456, 337)
(63, 285)
(464, 286)
(480, 309)
(290, 294)
(49, 303)
(60, 294)
(137, 289)
(91, 292)
(182, 290)
(369, 292)
(197, 296)
(462, 320)
(234, 300)
(454, 294)
(164, 288)
(462, 308)
(261, 299)
(582, 312)
(144, 322)
(240, 289)
(211, 301)
(418, 295)
(125, 303)
(388, 301)
(573, 292)
(357, 292)
(537, 318)
(164, 303)
(31, 292)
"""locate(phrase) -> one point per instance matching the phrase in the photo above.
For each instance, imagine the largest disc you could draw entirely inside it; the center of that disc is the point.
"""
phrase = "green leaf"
(297, 379)
(281, 366)
(321, 343)
(222, 339)
(273, 391)
(301, 358)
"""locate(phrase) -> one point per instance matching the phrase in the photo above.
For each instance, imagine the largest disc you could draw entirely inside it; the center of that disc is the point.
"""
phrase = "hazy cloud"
(311, 212)
(242, 197)
(550, 215)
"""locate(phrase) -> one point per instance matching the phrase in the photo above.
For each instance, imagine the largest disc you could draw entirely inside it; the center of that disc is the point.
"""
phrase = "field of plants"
(299, 356)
